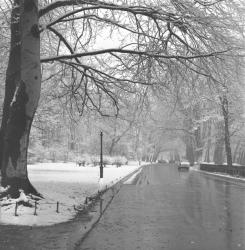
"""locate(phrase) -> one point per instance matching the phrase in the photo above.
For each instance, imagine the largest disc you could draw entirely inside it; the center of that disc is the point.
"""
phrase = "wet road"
(167, 209)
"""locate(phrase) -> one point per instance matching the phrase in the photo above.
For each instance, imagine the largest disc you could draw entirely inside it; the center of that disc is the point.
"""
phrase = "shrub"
(119, 161)
(107, 160)
(95, 160)
(83, 160)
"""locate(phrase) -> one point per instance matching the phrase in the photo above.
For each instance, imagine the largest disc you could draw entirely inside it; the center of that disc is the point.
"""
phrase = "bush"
(107, 160)
(39, 154)
(95, 160)
(119, 161)
(83, 160)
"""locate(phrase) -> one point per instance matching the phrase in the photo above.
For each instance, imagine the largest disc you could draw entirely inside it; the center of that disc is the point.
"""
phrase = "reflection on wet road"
(167, 209)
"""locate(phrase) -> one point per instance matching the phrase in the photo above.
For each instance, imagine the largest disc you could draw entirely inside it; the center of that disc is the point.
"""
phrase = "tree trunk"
(208, 142)
(219, 144)
(198, 146)
(239, 158)
(112, 146)
(218, 151)
(188, 139)
(225, 111)
(243, 158)
(176, 156)
(22, 91)
(12, 74)
(207, 154)
(156, 154)
(236, 152)
(190, 153)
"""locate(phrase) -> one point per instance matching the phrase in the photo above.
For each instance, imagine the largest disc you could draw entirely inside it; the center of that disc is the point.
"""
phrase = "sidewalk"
(219, 175)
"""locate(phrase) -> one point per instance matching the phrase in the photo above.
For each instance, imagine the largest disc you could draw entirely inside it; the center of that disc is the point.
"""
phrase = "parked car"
(183, 165)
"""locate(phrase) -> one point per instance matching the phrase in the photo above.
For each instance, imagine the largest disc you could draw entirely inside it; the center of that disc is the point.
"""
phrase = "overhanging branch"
(150, 54)
(63, 3)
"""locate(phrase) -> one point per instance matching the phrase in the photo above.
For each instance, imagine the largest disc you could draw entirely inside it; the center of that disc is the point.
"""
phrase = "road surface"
(167, 209)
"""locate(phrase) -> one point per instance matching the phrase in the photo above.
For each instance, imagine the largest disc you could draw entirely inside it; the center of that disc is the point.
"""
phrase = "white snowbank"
(65, 183)
(224, 163)
(222, 175)
(132, 178)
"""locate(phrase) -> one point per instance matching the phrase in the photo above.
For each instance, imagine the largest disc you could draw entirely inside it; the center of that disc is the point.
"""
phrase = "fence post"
(57, 207)
(101, 206)
(15, 210)
(35, 211)
(101, 154)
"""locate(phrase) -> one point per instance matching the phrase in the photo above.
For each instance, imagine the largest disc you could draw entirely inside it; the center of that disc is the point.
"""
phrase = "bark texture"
(188, 140)
(225, 112)
(218, 156)
(22, 92)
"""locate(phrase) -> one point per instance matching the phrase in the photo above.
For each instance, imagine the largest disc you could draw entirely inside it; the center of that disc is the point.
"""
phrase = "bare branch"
(150, 54)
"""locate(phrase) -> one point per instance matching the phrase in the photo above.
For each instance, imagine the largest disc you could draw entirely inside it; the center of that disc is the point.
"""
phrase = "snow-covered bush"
(95, 160)
(83, 160)
(119, 161)
(110, 160)
(107, 160)
(39, 154)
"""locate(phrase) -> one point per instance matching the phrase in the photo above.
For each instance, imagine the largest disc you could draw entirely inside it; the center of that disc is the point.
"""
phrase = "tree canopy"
(110, 56)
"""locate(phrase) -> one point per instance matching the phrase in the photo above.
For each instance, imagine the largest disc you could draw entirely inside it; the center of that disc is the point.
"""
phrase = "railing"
(89, 201)
(234, 170)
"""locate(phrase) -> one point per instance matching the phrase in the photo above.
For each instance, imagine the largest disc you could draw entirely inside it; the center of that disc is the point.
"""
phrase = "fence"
(89, 201)
(234, 170)
(57, 206)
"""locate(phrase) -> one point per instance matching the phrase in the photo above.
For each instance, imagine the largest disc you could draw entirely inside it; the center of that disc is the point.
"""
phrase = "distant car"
(183, 165)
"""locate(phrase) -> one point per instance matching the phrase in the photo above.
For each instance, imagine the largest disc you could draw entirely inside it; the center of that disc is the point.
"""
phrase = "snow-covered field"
(65, 183)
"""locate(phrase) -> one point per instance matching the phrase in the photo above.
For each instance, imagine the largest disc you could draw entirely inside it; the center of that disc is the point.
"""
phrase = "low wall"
(234, 170)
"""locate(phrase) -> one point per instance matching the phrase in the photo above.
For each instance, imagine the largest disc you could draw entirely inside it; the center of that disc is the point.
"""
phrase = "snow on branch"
(208, 3)
(152, 54)
(154, 13)
(52, 6)
(64, 3)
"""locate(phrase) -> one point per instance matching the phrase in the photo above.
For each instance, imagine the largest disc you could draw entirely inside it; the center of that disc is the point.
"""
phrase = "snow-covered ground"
(65, 183)
(133, 177)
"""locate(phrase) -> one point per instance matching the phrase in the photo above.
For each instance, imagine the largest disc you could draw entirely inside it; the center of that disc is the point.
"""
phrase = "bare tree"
(176, 31)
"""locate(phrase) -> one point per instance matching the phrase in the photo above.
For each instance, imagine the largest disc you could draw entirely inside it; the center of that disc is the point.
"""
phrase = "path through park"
(168, 209)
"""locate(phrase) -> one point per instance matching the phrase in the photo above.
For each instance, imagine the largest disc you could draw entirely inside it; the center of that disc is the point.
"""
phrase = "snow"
(132, 178)
(224, 163)
(221, 175)
(22, 196)
(65, 183)
(2, 189)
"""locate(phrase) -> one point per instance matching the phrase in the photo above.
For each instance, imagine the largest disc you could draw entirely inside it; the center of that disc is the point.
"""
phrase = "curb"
(98, 205)
(220, 176)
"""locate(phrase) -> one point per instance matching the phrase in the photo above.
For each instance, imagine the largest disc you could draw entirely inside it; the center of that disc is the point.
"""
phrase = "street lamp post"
(101, 154)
